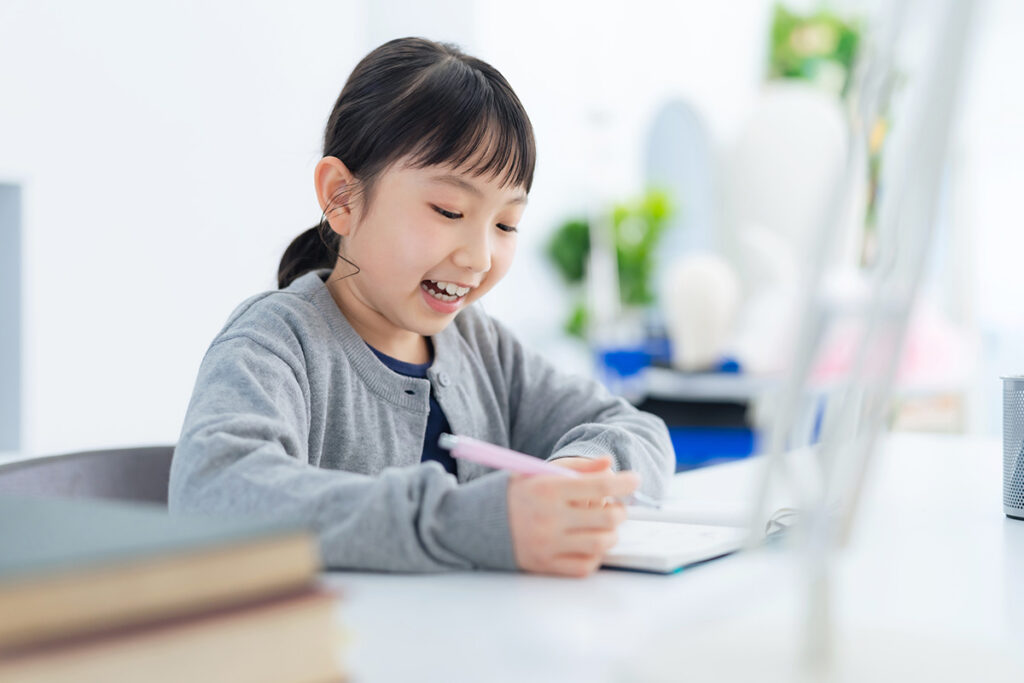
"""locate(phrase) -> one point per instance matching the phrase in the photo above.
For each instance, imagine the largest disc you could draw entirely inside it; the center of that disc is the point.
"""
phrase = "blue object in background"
(624, 362)
(729, 366)
(659, 348)
(701, 446)
(620, 368)
(695, 445)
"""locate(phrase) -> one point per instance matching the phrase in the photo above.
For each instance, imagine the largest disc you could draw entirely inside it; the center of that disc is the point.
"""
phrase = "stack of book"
(105, 591)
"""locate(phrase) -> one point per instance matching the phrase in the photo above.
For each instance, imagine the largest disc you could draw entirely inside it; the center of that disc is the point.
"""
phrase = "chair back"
(139, 474)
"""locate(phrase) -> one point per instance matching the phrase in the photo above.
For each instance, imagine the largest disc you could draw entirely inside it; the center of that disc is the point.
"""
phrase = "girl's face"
(431, 241)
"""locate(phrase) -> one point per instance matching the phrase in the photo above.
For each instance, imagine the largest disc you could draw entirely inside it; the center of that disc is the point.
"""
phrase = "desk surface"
(931, 555)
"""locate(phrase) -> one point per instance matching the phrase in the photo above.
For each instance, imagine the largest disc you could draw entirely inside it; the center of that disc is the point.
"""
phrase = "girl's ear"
(334, 185)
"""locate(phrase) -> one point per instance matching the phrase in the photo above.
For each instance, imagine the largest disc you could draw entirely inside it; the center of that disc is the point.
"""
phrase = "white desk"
(932, 557)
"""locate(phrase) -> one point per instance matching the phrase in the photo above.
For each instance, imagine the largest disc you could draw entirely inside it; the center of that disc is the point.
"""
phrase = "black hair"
(428, 102)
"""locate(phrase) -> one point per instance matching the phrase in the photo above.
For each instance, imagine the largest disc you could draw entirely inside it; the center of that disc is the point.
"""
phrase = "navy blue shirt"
(437, 423)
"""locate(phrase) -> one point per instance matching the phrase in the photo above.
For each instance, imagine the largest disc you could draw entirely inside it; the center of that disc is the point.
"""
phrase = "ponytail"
(307, 252)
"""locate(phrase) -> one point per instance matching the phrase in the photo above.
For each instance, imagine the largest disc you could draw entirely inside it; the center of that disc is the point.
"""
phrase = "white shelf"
(665, 383)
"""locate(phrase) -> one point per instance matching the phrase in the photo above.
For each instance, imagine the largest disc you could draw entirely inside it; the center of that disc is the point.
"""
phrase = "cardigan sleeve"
(554, 414)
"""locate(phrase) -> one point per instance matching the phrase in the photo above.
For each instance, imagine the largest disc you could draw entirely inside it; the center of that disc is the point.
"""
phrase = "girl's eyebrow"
(463, 184)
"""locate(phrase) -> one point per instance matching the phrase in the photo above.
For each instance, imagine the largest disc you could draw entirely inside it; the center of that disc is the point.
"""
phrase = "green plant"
(637, 227)
(819, 47)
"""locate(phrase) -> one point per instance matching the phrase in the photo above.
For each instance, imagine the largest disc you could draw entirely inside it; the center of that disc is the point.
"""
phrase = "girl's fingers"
(576, 564)
(581, 464)
(600, 486)
(589, 542)
(608, 516)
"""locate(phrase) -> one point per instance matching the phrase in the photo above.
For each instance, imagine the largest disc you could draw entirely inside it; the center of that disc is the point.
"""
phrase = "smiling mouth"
(444, 291)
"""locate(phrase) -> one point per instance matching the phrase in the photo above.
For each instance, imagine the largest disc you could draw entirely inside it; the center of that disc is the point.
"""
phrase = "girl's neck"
(374, 328)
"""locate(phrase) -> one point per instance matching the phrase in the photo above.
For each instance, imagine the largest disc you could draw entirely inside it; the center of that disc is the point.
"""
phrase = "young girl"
(324, 400)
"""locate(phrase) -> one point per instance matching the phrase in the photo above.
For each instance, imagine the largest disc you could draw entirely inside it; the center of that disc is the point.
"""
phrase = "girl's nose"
(475, 251)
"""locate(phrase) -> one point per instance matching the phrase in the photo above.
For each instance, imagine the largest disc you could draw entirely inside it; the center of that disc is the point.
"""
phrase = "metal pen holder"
(1013, 446)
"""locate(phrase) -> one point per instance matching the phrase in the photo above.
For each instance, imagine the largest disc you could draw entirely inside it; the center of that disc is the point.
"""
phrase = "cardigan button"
(443, 379)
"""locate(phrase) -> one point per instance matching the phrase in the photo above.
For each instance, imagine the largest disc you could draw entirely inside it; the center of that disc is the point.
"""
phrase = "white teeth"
(452, 289)
(441, 297)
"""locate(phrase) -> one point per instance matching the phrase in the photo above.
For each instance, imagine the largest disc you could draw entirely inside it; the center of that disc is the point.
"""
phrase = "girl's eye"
(447, 214)
(454, 216)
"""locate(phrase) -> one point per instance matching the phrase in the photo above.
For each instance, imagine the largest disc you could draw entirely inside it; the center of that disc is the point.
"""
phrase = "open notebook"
(668, 540)
(666, 547)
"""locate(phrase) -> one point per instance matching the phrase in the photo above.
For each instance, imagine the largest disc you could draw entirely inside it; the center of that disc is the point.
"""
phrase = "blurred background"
(156, 159)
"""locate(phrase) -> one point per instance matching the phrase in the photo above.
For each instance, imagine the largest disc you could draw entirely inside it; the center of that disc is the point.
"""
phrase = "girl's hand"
(563, 525)
(581, 464)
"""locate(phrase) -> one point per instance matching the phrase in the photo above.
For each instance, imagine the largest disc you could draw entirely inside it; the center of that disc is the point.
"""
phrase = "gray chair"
(139, 474)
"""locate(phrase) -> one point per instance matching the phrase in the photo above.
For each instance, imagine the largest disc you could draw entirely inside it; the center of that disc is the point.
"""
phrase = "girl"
(324, 400)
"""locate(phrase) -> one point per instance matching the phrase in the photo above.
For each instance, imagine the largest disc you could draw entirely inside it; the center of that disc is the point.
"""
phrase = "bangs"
(470, 121)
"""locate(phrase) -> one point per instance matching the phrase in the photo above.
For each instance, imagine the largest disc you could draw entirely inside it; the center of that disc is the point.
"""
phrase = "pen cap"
(1013, 446)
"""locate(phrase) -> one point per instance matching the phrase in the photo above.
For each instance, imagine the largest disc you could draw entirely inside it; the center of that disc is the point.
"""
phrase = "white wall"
(166, 151)
(166, 148)
(991, 168)
(993, 158)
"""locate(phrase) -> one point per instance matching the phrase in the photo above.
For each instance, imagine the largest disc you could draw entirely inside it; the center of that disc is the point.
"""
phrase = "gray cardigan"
(293, 416)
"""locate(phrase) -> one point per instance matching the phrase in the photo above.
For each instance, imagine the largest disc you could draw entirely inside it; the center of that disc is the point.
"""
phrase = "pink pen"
(474, 450)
